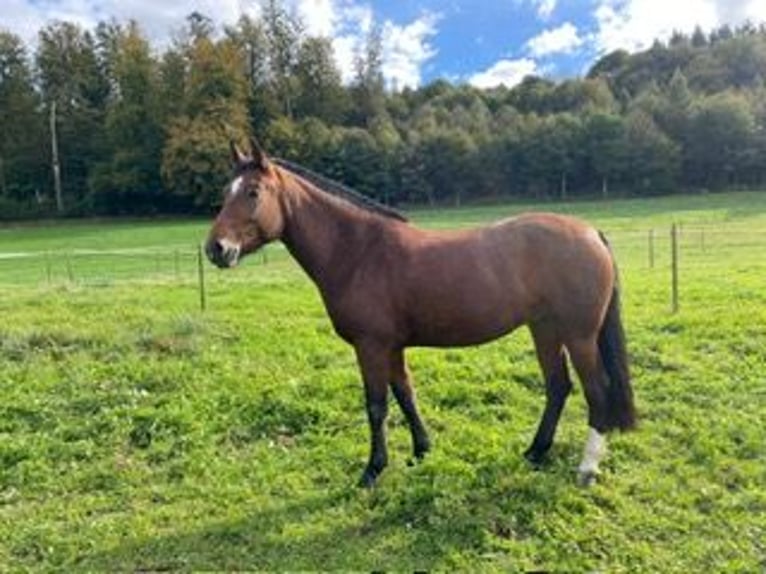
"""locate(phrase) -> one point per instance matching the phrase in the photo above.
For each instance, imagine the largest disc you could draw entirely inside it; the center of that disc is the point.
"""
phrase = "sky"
(482, 42)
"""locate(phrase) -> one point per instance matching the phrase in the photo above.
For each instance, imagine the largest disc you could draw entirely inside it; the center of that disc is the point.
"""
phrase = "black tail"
(621, 411)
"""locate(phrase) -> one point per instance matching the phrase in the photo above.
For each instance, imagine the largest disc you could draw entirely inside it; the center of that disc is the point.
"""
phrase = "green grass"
(137, 433)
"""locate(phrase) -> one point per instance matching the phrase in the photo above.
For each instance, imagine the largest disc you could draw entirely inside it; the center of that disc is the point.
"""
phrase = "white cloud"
(22, 19)
(562, 40)
(505, 72)
(543, 8)
(350, 25)
(406, 49)
(347, 22)
(157, 19)
(736, 11)
(319, 16)
(635, 24)
(345, 49)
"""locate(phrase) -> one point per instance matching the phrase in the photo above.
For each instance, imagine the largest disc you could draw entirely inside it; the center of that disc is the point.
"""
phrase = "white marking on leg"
(595, 448)
(236, 186)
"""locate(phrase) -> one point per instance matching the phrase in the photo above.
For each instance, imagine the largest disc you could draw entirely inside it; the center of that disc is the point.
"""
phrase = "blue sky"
(483, 42)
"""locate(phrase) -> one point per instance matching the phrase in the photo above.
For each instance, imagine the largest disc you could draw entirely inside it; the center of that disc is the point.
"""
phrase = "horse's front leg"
(374, 363)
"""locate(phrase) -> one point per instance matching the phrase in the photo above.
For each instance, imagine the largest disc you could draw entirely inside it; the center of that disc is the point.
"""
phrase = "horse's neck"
(325, 235)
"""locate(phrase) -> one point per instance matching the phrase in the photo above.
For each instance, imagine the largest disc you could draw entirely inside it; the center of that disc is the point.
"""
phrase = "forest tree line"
(142, 131)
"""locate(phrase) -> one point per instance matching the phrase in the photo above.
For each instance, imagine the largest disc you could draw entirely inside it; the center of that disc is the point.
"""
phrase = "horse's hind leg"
(401, 384)
(587, 362)
(550, 354)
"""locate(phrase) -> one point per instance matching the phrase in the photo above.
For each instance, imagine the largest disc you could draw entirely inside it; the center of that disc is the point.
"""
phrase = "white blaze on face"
(236, 186)
(595, 448)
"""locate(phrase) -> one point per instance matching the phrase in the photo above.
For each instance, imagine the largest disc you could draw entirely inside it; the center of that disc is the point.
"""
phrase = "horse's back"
(471, 286)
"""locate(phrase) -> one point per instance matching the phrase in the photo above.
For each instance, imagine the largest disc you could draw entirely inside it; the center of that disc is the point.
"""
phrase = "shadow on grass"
(279, 539)
(408, 525)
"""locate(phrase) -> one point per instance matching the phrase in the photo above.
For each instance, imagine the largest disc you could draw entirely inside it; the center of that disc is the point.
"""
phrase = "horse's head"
(251, 214)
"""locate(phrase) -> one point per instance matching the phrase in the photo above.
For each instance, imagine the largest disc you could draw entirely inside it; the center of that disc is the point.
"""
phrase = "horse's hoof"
(367, 480)
(415, 460)
(418, 456)
(586, 479)
(535, 457)
(422, 449)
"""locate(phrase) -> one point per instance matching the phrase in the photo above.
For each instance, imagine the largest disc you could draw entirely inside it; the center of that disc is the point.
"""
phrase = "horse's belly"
(461, 329)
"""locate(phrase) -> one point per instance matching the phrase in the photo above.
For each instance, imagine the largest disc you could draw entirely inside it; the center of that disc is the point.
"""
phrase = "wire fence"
(677, 254)
(108, 266)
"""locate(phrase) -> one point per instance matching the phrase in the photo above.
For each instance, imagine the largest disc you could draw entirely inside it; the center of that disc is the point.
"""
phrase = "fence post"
(176, 264)
(651, 248)
(48, 267)
(674, 242)
(69, 270)
(201, 274)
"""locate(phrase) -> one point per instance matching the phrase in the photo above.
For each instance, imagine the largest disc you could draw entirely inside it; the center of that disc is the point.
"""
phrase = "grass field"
(137, 433)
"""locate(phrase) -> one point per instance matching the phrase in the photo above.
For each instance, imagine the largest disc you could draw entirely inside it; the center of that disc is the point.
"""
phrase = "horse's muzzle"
(222, 252)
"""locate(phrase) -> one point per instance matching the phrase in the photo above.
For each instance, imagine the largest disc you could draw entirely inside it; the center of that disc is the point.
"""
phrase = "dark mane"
(340, 190)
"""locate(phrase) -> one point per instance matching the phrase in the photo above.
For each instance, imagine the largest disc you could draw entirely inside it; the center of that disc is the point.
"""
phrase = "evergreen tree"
(22, 177)
(128, 181)
(284, 33)
(69, 75)
(321, 94)
(368, 88)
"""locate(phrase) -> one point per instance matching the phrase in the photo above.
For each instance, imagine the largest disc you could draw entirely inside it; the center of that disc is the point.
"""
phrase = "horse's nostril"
(222, 252)
(214, 250)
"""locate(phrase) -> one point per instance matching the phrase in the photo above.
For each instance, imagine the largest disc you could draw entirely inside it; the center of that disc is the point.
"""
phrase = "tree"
(317, 146)
(446, 165)
(284, 33)
(699, 39)
(128, 181)
(198, 27)
(721, 130)
(194, 158)
(554, 154)
(321, 93)
(283, 139)
(368, 88)
(391, 149)
(249, 35)
(107, 40)
(604, 142)
(21, 157)
(69, 75)
(172, 84)
(581, 96)
(532, 95)
(360, 162)
(652, 157)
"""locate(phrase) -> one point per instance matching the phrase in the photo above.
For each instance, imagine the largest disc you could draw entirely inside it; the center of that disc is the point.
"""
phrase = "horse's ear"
(236, 156)
(259, 156)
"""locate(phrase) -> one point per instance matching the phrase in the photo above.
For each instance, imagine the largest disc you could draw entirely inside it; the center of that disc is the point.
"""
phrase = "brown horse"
(388, 285)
